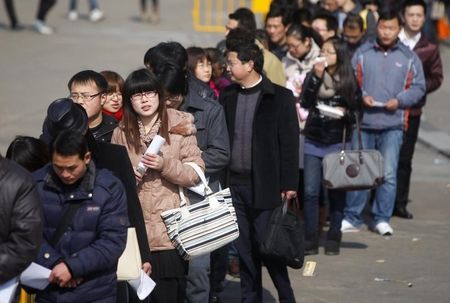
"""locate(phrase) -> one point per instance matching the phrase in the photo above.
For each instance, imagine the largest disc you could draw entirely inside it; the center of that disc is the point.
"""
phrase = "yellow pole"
(219, 12)
(208, 12)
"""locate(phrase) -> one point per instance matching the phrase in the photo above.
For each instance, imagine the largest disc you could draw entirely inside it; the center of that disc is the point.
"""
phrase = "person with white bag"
(145, 116)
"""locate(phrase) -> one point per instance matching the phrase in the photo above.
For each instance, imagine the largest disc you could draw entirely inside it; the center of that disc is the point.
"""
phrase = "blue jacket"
(93, 242)
(384, 75)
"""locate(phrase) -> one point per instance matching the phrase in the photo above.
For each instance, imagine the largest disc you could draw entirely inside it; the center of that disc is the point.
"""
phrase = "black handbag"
(284, 240)
(353, 169)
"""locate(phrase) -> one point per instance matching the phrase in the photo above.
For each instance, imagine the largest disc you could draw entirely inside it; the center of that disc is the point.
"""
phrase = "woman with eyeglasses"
(113, 103)
(299, 60)
(145, 116)
(331, 84)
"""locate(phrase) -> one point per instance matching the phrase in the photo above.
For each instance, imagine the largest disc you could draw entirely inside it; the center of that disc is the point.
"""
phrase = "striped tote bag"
(202, 227)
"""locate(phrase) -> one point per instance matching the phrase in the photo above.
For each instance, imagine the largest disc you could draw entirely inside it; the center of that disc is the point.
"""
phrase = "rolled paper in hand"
(153, 148)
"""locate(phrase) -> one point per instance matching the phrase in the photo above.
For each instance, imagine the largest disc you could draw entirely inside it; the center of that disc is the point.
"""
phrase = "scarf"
(328, 87)
(118, 115)
(148, 137)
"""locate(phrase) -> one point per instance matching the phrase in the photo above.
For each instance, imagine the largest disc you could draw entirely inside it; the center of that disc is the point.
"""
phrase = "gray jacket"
(212, 133)
(383, 75)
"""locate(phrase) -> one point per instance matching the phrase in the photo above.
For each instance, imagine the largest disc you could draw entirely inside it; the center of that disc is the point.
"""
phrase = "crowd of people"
(247, 112)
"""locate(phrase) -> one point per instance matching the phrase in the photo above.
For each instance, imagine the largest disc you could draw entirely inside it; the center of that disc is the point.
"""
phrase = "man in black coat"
(263, 130)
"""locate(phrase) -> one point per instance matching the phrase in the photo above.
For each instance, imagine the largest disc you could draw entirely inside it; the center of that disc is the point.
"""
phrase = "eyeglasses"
(86, 97)
(116, 95)
(327, 52)
(231, 63)
(140, 96)
(292, 46)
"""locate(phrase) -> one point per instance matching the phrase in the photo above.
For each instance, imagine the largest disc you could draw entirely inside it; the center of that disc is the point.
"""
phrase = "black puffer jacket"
(20, 220)
(321, 128)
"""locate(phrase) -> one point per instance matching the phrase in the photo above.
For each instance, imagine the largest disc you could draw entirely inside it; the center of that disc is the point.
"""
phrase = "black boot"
(311, 243)
(401, 211)
(333, 243)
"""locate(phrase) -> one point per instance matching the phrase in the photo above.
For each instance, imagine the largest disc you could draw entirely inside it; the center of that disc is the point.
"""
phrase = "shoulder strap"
(201, 175)
(65, 221)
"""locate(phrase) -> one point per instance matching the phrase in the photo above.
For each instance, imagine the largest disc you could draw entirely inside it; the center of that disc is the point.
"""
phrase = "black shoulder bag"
(284, 240)
(65, 221)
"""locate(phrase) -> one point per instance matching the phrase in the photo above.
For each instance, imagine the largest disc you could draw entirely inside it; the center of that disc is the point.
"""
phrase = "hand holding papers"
(35, 276)
(329, 111)
(143, 285)
(153, 148)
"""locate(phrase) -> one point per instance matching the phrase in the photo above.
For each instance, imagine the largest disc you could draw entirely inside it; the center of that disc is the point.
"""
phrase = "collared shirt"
(409, 41)
(254, 84)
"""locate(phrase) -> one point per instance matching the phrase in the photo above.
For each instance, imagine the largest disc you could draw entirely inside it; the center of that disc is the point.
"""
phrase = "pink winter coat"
(158, 191)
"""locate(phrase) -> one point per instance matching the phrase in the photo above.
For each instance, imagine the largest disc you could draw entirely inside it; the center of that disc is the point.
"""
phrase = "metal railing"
(212, 15)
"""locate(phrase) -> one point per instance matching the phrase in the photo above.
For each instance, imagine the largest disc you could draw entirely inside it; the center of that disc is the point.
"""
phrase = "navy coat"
(92, 244)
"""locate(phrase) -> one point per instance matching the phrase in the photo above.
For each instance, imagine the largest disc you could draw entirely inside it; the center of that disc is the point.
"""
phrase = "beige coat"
(158, 191)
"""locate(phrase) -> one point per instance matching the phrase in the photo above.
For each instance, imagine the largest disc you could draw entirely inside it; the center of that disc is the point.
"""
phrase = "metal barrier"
(25, 297)
(212, 15)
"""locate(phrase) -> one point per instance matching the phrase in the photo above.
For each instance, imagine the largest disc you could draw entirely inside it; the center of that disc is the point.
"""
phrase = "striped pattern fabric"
(202, 227)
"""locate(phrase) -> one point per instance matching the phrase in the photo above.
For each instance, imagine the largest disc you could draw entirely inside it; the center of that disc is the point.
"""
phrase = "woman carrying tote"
(331, 86)
(145, 116)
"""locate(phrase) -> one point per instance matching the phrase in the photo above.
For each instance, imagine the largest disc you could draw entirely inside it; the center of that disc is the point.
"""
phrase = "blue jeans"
(312, 184)
(73, 4)
(197, 280)
(388, 143)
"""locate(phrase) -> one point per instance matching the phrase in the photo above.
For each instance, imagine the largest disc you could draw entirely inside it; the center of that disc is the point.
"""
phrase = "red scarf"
(117, 115)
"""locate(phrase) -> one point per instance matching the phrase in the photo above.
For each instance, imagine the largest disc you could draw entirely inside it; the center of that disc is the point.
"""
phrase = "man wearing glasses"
(88, 88)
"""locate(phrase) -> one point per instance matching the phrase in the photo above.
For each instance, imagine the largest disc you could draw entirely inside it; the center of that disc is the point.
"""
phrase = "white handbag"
(130, 264)
(202, 227)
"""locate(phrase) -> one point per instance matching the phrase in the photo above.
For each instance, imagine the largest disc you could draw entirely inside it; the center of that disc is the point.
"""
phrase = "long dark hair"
(142, 80)
(347, 84)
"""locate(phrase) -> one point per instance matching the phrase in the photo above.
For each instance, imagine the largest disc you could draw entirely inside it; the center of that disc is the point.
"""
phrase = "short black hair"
(245, 18)
(87, 76)
(389, 14)
(279, 11)
(354, 21)
(408, 3)
(165, 52)
(330, 20)
(238, 36)
(301, 15)
(70, 143)
(29, 152)
(249, 52)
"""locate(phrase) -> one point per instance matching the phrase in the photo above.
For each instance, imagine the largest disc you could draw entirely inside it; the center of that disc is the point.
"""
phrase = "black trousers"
(9, 5)
(405, 161)
(253, 225)
(44, 8)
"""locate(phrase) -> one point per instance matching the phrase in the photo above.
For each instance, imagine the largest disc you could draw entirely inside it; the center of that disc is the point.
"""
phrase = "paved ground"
(35, 70)
(418, 253)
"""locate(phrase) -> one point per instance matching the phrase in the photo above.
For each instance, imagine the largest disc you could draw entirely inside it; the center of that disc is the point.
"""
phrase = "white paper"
(330, 111)
(35, 276)
(321, 59)
(153, 148)
(8, 290)
(143, 285)
(378, 104)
